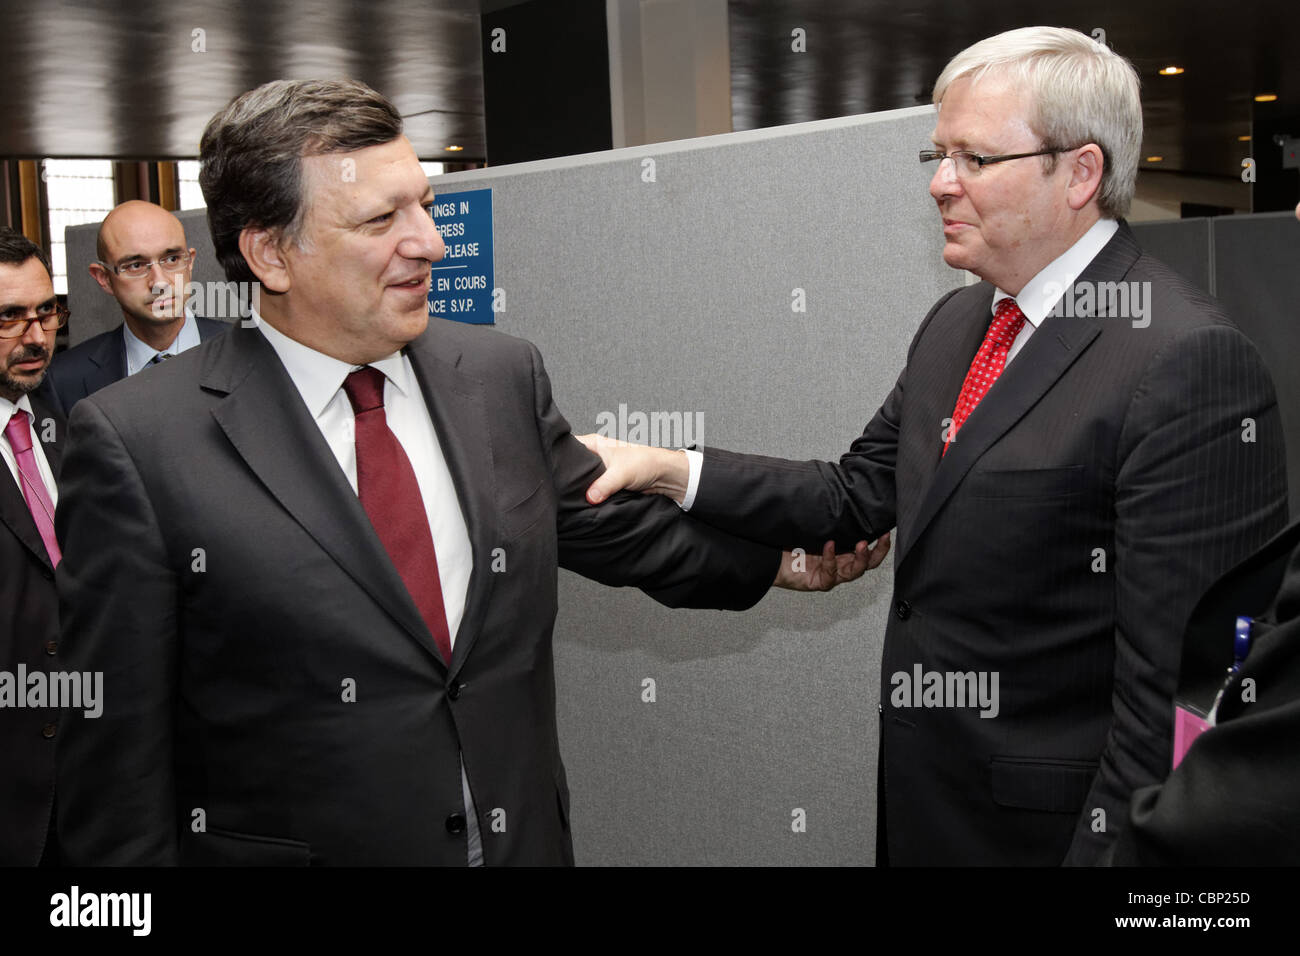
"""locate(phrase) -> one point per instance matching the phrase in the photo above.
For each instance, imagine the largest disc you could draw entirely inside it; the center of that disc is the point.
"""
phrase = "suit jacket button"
(456, 823)
(454, 691)
(903, 610)
(51, 647)
(49, 730)
(47, 573)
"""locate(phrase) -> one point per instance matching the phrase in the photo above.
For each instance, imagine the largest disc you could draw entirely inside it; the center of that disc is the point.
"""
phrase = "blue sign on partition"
(462, 284)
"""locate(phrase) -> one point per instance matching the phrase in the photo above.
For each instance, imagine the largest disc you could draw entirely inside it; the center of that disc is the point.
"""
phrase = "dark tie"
(160, 358)
(391, 496)
(989, 362)
(34, 490)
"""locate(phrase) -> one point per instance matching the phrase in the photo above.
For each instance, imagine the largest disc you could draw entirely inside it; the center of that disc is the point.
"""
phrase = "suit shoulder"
(958, 306)
(963, 301)
(1174, 300)
(211, 327)
(83, 350)
(156, 396)
(482, 348)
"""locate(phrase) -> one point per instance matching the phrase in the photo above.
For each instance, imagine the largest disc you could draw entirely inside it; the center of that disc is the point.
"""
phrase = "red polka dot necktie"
(989, 362)
(390, 494)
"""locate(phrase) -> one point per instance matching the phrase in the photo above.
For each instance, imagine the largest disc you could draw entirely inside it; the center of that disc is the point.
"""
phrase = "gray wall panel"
(1184, 245)
(676, 296)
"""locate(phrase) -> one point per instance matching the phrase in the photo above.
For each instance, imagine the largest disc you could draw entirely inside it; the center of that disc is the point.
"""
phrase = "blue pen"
(1240, 650)
(1241, 643)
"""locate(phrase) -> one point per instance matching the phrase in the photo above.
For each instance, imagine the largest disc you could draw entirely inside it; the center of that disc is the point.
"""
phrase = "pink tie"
(34, 491)
(989, 361)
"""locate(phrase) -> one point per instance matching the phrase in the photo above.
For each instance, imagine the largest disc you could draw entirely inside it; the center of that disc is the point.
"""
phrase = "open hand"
(807, 572)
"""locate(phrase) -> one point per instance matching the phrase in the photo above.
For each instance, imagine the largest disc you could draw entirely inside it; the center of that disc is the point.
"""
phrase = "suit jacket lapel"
(108, 362)
(15, 516)
(265, 420)
(1055, 345)
(51, 442)
(456, 403)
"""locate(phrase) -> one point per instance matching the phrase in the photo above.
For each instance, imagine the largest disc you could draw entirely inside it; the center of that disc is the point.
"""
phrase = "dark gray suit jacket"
(1235, 798)
(101, 361)
(222, 573)
(29, 635)
(1104, 481)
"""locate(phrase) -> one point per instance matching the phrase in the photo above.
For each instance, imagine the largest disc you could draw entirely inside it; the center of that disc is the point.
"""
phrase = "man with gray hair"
(1078, 445)
(316, 558)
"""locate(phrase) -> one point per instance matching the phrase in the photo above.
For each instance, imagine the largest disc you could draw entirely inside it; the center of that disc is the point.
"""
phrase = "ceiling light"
(1171, 71)
(1266, 98)
(1155, 159)
(454, 149)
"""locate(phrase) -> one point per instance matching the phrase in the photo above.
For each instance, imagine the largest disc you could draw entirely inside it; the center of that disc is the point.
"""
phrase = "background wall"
(676, 295)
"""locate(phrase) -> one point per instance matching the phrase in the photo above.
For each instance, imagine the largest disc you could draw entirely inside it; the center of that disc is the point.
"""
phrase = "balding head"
(142, 232)
(132, 223)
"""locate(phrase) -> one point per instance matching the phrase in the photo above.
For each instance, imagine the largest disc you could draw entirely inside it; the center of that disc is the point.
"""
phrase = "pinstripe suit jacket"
(1235, 798)
(1107, 478)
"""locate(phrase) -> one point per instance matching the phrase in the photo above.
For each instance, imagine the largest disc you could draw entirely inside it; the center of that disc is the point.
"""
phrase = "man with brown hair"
(30, 446)
(316, 558)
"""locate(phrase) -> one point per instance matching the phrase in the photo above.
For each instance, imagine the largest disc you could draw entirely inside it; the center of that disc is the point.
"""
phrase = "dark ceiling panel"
(869, 55)
(126, 81)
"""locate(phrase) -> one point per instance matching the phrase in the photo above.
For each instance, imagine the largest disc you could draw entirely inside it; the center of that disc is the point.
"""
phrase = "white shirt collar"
(7, 409)
(319, 377)
(1043, 291)
(140, 354)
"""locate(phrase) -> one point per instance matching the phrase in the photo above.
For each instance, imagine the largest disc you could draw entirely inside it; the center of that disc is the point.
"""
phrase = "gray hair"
(251, 154)
(1081, 91)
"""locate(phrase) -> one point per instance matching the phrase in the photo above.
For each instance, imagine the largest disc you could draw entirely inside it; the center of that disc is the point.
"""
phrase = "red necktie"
(989, 362)
(35, 493)
(391, 496)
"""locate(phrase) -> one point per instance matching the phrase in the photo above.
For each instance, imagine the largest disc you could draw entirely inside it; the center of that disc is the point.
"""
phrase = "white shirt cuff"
(694, 461)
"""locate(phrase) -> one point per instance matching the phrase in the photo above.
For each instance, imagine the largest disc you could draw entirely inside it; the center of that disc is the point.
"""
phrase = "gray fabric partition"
(1183, 244)
(1252, 265)
(676, 296)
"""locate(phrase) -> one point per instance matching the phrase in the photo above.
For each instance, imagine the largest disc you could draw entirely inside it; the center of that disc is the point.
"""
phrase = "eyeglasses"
(52, 318)
(138, 268)
(966, 163)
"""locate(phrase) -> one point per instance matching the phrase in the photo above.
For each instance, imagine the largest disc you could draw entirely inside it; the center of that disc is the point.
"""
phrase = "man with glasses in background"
(145, 264)
(1077, 446)
(30, 316)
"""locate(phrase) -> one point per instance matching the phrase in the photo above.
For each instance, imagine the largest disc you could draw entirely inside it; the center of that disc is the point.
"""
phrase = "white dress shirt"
(7, 409)
(1036, 300)
(319, 380)
(140, 354)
